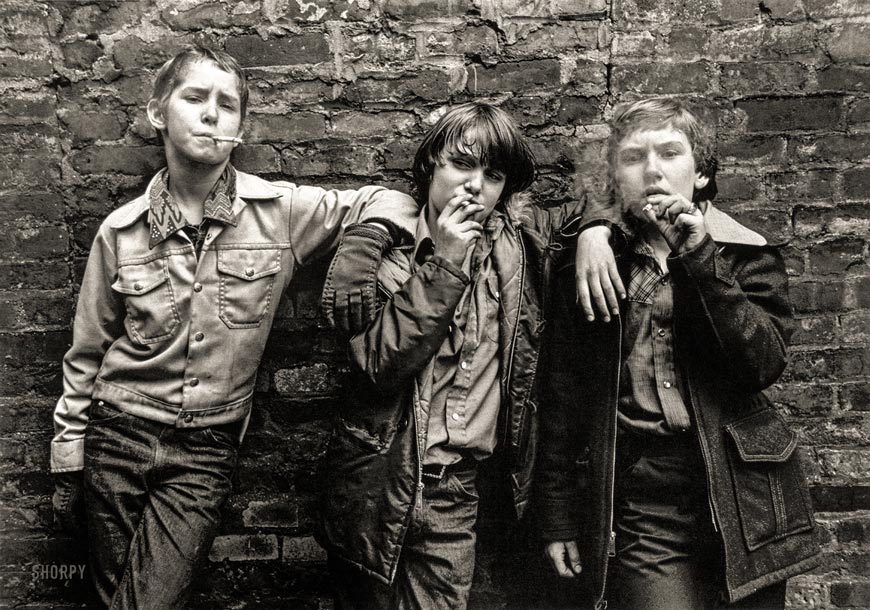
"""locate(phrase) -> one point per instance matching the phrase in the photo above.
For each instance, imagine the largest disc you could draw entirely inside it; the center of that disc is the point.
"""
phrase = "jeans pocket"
(102, 413)
(465, 483)
(221, 436)
(247, 279)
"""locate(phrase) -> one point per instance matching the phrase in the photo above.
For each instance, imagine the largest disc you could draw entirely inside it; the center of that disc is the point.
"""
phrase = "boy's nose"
(474, 183)
(209, 112)
(652, 166)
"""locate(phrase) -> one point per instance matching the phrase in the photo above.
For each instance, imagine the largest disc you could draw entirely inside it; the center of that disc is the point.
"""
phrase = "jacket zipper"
(419, 442)
(601, 603)
(510, 363)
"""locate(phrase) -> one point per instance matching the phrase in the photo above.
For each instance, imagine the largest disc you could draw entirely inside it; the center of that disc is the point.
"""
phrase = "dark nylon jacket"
(732, 321)
(372, 470)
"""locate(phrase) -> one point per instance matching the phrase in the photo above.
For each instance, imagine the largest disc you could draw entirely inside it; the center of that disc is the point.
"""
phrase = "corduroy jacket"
(732, 322)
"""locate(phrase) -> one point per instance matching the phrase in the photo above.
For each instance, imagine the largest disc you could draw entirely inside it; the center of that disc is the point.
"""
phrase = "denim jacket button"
(194, 382)
(199, 336)
(188, 418)
(249, 271)
(197, 287)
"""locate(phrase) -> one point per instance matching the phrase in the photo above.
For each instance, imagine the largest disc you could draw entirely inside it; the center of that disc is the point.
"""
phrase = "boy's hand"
(68, 501)
(564, 557)
(456, 230)
(349, 293)
(679, 221)
(596, 275)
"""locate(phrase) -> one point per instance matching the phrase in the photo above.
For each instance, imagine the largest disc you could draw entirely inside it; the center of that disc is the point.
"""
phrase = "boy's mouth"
(654, 190)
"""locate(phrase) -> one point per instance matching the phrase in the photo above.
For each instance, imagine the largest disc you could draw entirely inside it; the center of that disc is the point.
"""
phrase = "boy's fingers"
(573, 557)
(584, 298)
(467, 226)
(598, 297)
(556, 554)
(616, 282)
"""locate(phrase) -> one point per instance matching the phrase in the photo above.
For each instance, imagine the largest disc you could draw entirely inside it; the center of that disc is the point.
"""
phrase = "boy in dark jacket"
(443, 374)
(667, 479)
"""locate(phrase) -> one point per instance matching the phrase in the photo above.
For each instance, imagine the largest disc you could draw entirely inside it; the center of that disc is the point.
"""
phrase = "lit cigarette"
(647, 207)
(227, 139)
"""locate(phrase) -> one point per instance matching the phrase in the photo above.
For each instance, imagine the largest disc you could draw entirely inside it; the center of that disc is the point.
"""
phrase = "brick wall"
(341, 92)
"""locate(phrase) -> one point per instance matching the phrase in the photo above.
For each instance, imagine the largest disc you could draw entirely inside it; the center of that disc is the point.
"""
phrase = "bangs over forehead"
(484, 132)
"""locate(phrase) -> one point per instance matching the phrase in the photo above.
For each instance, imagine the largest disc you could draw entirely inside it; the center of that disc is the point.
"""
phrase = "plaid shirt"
(651, 394)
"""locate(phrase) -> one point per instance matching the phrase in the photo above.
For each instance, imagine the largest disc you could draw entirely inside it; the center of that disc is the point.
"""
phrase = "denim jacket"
(164, 336)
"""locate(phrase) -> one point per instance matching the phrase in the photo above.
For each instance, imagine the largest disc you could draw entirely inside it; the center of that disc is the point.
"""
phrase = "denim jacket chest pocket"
(152, 313)
(246, 279)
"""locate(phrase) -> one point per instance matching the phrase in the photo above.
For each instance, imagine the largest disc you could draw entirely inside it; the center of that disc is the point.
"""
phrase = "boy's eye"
(460, 162)
(630, 156)
(495, 175)
(192, 98)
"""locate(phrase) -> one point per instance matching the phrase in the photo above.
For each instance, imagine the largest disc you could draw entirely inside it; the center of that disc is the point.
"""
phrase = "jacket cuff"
(68, 456)
(556, 522)
(700, 260)
(449, 267)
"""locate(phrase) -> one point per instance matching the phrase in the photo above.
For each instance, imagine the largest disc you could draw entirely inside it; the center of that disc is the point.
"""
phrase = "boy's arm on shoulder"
(317, 216)
(744, 298)
(98, 322)
(410, 327)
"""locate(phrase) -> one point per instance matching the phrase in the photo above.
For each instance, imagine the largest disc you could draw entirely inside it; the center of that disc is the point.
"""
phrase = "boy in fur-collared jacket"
(667, 480)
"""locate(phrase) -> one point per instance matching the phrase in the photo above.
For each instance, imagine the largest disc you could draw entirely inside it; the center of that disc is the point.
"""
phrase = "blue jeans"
(437, 560)
(153, 495)
(668, 556)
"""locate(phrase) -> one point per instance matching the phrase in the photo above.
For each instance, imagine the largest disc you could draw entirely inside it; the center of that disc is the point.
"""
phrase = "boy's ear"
(156, 116)
(701, 181)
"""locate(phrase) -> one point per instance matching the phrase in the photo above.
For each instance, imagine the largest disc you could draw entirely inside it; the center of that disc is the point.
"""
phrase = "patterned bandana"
(165, 216)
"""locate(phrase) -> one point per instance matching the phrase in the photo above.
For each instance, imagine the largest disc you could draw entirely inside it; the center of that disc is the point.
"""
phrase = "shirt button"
(197, 287)
(661, 332)
(463, 365)
(193, 382)
(664, 281)
(455, 416)
(137, 286)
(667, 384)
(199, 336)
(188, 418)
(249, 271)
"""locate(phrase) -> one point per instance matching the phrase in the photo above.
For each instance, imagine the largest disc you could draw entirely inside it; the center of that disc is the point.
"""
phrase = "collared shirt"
(459, 388)
(168, 336)
(651, 395)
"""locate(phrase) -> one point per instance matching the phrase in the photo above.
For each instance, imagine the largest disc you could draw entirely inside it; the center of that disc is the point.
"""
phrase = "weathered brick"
(205, 15)
(293, 127)
(738, 10)
(858, 292)
(89, 126)
(37, 205)
(34, 170)
(835, 8)
(427, 85)
(808, 297)
(855, 396)
(578, 8)
(552, 40)
(256, 159)
(856, 327)
(856, 183)
(416, 9)
(21, 138)
(831, 149)
(850, 43)
(818, 330)
(43, 275)
(132, 53)
(123, 159)
(244, 548)
(792, 114)
(660, 78)
(842, 220)
(313, 12)
(763, 77)
(34, 310)
(577, 109)
(25, 107)
(370, 124)
(589, 77)
(840, 498)
(302, 550)
(633, 44)
(804, 400)
(687, 42)
(691, 11)
(81, 54)
(737, 187)
(843, 78)
(851, 594)
(34, 241)
(845, 464)
(279, 511)
(836, 255)
(389, 47)
(810, 365)
(752, 149)
(315, 380)
(775, 223)
(308, 48)
(519, 76)
(810, 184)
(331, 157)
(859, 113)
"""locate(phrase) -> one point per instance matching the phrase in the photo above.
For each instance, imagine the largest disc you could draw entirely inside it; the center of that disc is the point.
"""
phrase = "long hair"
(487, 132)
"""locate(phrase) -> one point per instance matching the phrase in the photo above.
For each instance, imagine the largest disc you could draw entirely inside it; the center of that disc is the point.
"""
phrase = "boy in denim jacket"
(176, 303)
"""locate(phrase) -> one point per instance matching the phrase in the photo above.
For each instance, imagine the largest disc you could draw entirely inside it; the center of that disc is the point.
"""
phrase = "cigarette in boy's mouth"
(227, 139)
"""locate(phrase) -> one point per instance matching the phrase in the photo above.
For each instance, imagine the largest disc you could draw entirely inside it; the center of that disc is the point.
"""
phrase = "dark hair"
(658, 112)
(494, 136)
(175, 69)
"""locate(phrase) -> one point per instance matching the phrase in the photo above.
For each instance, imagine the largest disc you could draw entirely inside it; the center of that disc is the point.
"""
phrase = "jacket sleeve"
(98, 322)
(411, 326)
(558, 485)
(745, 302)
(318, 217)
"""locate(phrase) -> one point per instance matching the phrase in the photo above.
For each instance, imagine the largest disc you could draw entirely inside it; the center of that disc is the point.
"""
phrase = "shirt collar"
(165, 217)
(424, 246)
